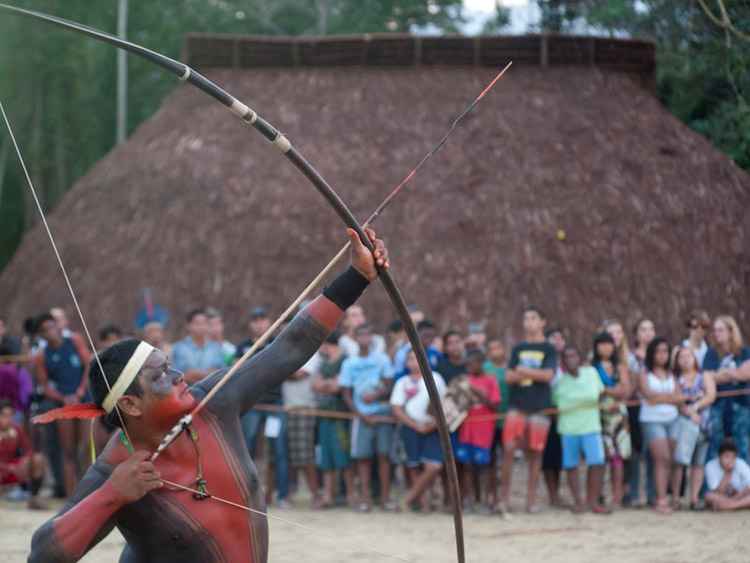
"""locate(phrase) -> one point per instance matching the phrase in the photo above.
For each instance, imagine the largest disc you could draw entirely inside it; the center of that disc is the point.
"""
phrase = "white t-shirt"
(413, 397)
(700, 353)
(658, 412)
(299, 393)
(740, 475)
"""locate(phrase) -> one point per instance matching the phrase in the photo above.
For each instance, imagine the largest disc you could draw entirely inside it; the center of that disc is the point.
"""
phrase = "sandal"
(662, 507)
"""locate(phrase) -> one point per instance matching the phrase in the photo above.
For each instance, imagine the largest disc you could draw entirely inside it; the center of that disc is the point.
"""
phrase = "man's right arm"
(88, 517)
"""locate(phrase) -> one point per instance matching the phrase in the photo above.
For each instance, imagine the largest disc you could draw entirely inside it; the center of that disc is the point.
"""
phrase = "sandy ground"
(339, 535)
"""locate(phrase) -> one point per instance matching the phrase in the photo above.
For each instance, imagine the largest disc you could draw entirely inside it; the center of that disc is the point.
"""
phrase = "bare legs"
(70, 432)
(661, 453)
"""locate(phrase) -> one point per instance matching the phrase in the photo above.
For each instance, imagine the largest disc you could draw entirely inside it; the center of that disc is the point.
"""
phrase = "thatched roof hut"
(200, 209)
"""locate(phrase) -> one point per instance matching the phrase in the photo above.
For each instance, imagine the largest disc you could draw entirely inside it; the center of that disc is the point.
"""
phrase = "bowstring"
(62, 265)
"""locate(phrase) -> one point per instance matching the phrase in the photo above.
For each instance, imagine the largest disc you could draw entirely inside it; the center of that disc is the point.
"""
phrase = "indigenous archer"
(126, 490)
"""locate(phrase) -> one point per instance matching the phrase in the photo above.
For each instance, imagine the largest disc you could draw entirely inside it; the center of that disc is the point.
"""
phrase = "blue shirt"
(187, 355)
(399, 359)
(364, 374)
(64, 367)
(712, 362)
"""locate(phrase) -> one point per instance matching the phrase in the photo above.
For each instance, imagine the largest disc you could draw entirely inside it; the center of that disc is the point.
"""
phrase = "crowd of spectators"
(664, 424)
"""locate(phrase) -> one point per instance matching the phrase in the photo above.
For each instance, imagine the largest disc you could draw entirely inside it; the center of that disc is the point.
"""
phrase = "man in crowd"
(552, 456)
(728, 479)
(427, 332)
(367, 380)
(452, 363)
(272, 425)
(108, 335)
(355, 317)
(530, 371)
(216, 334)
(153, 333)
(195, 355)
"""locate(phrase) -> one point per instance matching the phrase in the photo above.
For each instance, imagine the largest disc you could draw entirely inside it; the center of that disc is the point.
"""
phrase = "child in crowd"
(410, 402)
(366, 380)
(728, 479)
(577, 395)
(530, 371)
(496, 365)
(615, 377)
(477, 431)
(333, 434)
(658, 416)
(691, 446)
(19, 465)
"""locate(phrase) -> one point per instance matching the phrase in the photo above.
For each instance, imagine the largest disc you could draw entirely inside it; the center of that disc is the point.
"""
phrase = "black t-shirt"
(449, 370)
(531, 396)
(273, 395)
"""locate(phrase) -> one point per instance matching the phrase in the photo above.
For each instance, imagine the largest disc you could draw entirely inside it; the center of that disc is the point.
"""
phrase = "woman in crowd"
(691, 447)
(659, 399)
(698, 325)
(730, 416)
(615, 377)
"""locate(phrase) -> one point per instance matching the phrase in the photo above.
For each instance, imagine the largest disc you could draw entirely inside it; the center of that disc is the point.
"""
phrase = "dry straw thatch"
(200, 209)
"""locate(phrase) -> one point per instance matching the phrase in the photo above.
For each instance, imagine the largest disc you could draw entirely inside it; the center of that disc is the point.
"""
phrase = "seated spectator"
(530, 371)
(216, 334)
(366, 380)
(614, 375)
(577, 396)
(353, 318)
(19, 465)
(452, 363)
(691, 446)
(728, 479)
(411, 406)
(730, 416)
(660, 398)
(195, 355)
(333, 433)
(478, 430)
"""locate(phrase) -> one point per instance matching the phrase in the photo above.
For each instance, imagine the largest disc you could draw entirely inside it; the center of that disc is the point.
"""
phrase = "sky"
(478, 11)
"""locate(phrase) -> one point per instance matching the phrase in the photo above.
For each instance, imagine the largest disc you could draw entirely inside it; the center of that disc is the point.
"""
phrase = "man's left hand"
(364, 261)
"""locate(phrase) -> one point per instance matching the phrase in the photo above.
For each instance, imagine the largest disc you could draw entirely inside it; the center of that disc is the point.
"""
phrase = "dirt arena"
(637, 536)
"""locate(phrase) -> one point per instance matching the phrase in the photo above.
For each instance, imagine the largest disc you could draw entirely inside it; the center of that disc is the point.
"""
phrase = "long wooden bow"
(251, 117)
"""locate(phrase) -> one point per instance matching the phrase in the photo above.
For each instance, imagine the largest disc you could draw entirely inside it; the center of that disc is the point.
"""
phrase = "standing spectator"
(531, 369)
(730, 416)
(477, 337)
(424, 456)
(576, 395)
(61, 318)
(698, 323)
(691, 447)
(272, 425)
(9, 343)
(109, 335)
(62, 371)
(297, 393)
(396, 338)
(728, 479)
(496, 366)
(477, 431)
(333, 433)
(366, 380)
(660, 397)
(153, 333)
(195, 355)
(354, 318)
(615, 377)
(216, 334)
(18, 463)
(644, 332)
(426, 330)
(552, 456)
(452, 363)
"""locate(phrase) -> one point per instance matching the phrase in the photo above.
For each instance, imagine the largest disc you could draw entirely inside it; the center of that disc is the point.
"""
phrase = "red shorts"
(529, 430)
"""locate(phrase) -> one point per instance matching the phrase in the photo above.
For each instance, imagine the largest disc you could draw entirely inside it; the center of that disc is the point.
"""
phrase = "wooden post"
(543, 50)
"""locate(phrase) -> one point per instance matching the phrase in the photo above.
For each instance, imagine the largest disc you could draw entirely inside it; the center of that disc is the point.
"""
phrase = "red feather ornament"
(83, 411)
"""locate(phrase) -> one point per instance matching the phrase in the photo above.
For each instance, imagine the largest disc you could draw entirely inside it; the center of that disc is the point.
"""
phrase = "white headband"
(134, 365)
